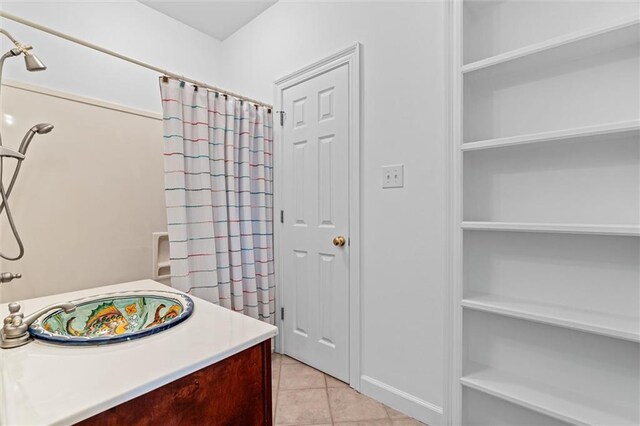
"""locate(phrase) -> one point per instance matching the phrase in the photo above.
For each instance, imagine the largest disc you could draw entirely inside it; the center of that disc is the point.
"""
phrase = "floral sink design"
(114, 317)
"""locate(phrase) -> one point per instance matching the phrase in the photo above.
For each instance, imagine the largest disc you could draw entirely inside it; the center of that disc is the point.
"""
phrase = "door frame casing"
(351, 58)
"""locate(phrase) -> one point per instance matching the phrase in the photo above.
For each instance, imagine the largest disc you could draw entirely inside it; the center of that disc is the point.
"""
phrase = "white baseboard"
(399, 400)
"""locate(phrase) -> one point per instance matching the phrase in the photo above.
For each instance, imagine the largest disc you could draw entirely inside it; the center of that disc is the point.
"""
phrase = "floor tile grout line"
(326, 391)
(301, 389)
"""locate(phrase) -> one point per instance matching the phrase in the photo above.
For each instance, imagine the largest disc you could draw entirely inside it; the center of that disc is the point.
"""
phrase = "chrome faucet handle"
(15, 331)
(14, 314)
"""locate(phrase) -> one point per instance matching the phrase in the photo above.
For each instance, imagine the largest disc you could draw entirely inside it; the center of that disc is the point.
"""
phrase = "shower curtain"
(218, 192)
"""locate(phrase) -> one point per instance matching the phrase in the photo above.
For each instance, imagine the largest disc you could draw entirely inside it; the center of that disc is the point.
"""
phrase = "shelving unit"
(546, 165)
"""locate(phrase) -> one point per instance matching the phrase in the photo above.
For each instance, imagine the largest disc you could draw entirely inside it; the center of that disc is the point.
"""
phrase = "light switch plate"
(393, 176)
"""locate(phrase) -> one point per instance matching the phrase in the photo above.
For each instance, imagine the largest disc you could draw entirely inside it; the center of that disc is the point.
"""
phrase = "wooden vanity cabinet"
(234, 391)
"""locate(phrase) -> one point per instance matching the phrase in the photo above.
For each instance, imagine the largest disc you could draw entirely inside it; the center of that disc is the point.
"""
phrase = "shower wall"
(89, 194)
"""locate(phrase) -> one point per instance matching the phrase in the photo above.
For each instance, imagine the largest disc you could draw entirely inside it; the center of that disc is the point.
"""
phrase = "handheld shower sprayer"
(38, 129)
(32, 63)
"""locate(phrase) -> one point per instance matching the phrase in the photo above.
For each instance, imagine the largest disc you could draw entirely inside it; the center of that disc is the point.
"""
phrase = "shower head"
(42, 128)
(33, 63)
(39, 129)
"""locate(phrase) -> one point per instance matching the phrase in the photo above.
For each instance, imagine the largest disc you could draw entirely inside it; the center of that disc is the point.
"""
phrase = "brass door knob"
(339, 241)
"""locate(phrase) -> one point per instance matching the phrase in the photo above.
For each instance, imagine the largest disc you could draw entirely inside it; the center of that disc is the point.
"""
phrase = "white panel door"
(316, 211)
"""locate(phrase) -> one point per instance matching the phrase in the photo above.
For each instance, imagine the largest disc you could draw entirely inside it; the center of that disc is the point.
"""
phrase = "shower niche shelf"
(161, 263)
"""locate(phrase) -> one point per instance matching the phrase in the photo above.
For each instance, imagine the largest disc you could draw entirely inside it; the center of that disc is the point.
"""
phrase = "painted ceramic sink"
(114, 317)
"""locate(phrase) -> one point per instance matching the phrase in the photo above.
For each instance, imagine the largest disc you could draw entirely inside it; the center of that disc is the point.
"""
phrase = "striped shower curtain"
(218, 191)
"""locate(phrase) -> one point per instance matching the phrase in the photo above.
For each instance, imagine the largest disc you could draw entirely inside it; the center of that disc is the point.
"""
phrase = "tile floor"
(305, 396)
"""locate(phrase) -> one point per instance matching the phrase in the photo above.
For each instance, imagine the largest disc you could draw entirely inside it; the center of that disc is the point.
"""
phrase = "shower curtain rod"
(128, 58)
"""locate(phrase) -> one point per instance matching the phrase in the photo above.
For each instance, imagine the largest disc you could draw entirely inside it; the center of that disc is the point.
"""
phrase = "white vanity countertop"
(42, 383)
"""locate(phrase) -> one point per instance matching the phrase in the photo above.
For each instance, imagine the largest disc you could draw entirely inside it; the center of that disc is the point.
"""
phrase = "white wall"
(127, 27)
(403, 229)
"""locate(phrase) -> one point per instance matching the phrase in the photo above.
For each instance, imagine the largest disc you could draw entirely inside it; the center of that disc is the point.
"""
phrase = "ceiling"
(219, 19)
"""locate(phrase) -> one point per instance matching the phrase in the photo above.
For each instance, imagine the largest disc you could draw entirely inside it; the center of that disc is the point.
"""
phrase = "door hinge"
(282, 117)
(281, 216)
(281, 314)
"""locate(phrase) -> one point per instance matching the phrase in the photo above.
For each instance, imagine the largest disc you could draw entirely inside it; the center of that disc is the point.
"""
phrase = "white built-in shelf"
(567, 406)
(619, 129)
(560, 352)
(606, 324)
(586, 42)
(555, 228)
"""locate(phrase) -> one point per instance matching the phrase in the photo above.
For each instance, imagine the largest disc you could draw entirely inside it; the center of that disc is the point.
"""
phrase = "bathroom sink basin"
(113, 318)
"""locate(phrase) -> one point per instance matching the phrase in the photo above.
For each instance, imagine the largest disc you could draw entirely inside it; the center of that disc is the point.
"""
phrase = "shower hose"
(4, 195)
